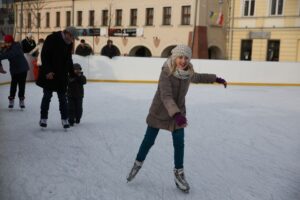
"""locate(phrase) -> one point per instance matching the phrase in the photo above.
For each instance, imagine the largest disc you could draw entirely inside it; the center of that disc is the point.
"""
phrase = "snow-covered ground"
(242, 143)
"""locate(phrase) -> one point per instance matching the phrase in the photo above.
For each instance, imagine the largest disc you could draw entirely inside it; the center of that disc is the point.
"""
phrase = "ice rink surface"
(242, 143)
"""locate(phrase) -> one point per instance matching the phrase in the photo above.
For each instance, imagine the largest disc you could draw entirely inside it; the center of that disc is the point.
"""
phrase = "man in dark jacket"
(53, 76)
(75, 94)
(83, 49)
(18, 68)
(28, 43)
(109, 50)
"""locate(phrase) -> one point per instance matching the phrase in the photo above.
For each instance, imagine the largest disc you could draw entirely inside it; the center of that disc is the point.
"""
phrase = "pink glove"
(180, 119)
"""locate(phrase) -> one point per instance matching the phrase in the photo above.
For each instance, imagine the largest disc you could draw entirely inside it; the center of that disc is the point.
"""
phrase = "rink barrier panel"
(147, 70)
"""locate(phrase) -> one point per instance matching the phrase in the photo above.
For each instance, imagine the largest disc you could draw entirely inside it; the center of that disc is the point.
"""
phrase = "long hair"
(172, 65)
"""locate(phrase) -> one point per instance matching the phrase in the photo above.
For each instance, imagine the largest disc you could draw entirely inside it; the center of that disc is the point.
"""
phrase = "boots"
(43, 123)
(135, 169)
(65, 123)
(11, 102)
(180, 181)
(22, 103)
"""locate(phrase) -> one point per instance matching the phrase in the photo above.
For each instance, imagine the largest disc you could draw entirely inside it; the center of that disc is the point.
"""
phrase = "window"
(249, 6)
(118, 17)
(273, 50)
(276, 7)
(167, 16)
(149, 16)
(104, 17)
(91, 18)
(38, 20)
(21, 20)
(57, 19)
(68, 18)
(79, 18)
(133, 17)
(246, 50)
(29, 20)
(47, 19)
(185, 15)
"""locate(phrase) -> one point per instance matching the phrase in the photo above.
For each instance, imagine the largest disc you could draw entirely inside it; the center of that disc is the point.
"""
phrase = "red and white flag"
(220, 19)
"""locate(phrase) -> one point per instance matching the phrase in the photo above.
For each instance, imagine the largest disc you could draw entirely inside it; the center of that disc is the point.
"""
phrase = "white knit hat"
(182, 50)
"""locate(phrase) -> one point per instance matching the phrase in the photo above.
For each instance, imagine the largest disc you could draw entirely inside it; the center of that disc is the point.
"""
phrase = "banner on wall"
(89, 32)
(126, 32)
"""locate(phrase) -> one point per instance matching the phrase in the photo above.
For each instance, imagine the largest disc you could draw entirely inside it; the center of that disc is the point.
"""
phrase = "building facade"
(137, 27)
(6, 18)
(264, 30)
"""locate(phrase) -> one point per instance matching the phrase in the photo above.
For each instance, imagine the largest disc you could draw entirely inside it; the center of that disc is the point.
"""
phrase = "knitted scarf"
(182, 74)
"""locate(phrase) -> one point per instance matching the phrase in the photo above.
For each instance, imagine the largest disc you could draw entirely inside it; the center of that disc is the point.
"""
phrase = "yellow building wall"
(284, 28)
(298, 51)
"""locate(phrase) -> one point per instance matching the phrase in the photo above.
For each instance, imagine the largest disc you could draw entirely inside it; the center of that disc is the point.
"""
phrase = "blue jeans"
(63, 106)
(178, 144)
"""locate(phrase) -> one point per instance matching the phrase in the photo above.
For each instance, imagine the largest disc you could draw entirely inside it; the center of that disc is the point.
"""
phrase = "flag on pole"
(220, 19)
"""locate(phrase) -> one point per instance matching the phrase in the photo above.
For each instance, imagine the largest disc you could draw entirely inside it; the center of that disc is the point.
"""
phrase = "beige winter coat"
(170, 98)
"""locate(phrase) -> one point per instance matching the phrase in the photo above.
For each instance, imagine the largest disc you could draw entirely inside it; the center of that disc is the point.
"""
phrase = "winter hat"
(8, 38)
(76, 66)
(182, 50)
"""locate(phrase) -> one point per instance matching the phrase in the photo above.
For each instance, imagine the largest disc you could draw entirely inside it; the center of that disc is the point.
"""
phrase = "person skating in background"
(28, 44)
(18, 68)
(109, 50)
(75, 94)
(57, 63)
(83, 49)
(168, 109)
(37, 63)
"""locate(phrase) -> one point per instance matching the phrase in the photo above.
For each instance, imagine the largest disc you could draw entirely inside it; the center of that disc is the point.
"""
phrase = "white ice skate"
(43, 123)
(22, 104)
(65, 124)
(135, 169)
(11, 103)
(180, 181)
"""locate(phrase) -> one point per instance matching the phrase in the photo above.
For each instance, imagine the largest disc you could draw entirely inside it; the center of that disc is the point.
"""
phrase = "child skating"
(75, 94)
(168, 110)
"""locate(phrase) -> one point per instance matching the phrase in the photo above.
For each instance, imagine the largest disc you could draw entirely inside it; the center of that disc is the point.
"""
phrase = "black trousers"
(75, 108)
(18, 80)
(63, 104)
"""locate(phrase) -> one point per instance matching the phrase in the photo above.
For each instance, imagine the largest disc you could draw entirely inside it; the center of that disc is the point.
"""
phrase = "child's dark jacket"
(75, 87)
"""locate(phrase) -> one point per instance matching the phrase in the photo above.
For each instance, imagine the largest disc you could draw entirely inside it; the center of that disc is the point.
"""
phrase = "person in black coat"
(28, 43)
(83, 49)
(110, 50)
(75, 94)
(57, 63)
(18, 68)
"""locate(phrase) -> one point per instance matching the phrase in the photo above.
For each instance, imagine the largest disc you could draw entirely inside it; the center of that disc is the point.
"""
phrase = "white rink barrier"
(136, 69)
